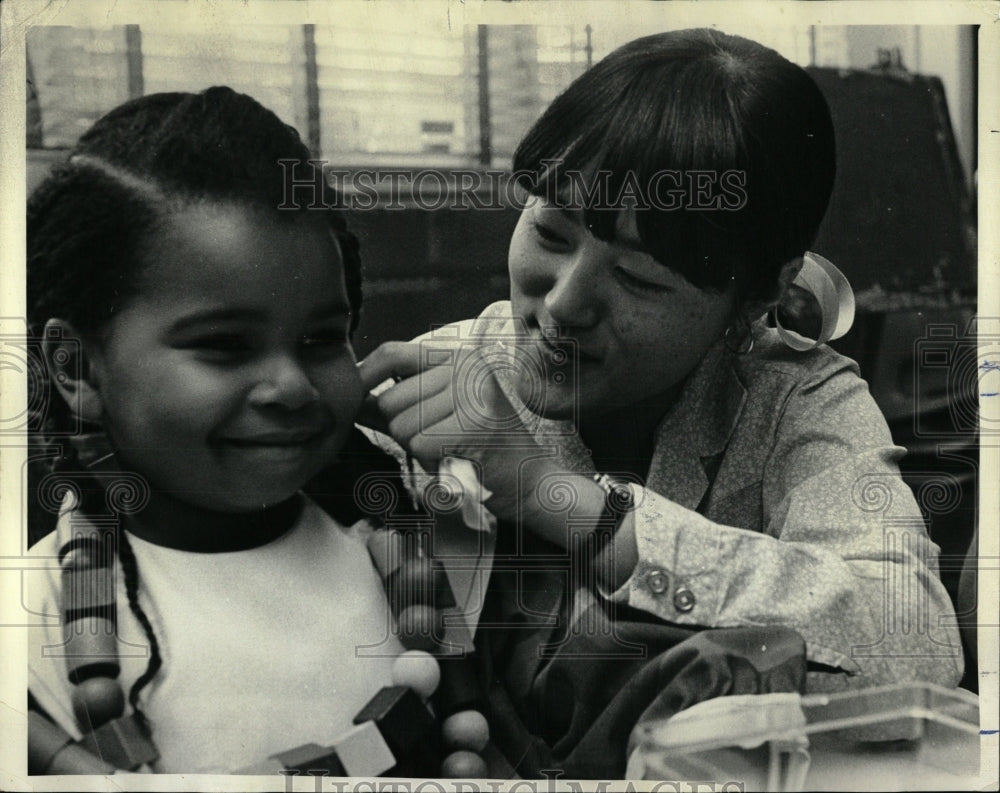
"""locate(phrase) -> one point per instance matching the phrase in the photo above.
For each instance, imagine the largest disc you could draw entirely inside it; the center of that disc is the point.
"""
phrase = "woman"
(672, 193)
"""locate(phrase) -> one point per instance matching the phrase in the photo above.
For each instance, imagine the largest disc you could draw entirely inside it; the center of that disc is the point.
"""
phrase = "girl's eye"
(324, 340)
(635, 282)
(222, 344)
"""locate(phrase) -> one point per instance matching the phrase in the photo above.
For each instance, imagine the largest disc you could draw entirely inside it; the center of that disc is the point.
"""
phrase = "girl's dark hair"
(88, 222)
(695, 101)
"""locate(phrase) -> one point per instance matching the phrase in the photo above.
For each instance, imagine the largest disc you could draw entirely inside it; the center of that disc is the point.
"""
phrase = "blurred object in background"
(901, 225)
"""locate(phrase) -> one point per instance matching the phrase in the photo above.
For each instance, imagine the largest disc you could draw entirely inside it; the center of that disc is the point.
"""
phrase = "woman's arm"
(856, 577)
(843, 556)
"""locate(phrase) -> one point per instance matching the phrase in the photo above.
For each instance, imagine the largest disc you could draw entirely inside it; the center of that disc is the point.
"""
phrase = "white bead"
(417, 669)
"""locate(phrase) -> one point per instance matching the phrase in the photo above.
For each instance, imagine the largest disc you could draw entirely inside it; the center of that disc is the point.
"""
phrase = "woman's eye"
(635, 282)
(549, 235)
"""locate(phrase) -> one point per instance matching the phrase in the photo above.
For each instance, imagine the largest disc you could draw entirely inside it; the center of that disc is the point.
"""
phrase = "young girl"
(205, 327)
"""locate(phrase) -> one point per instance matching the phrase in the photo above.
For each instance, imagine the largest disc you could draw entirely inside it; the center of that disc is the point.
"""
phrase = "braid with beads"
(86, 228)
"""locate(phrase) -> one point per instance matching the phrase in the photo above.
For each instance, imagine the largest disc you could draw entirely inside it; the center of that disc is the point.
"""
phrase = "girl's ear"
(71, 369)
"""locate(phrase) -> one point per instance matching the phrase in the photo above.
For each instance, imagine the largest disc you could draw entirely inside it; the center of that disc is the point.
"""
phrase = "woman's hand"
(447, 402)
(451, 405)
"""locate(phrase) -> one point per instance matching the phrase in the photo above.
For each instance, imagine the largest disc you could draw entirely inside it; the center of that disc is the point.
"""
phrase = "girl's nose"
(284, 383)
(574, 295)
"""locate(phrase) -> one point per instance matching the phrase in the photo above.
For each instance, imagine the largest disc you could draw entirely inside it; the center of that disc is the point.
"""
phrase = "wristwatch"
(618, 502)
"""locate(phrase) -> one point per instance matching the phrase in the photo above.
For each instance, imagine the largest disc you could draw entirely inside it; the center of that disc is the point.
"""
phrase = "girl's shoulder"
(40, 581)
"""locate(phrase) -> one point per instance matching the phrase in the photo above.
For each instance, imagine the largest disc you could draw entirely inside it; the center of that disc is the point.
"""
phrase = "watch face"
(621, 497)
(618, 498)
(617, 495)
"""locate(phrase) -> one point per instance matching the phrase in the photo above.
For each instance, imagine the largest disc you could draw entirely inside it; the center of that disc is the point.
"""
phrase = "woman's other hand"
(446, 402)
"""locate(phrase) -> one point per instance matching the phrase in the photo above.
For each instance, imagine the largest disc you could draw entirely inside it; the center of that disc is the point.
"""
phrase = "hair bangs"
(618, 141)
(722, 148)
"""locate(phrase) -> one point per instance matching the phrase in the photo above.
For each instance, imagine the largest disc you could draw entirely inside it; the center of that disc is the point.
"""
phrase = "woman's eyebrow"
(576, 216)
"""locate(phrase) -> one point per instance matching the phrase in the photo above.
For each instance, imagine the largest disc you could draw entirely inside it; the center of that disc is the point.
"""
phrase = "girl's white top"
(263, 649)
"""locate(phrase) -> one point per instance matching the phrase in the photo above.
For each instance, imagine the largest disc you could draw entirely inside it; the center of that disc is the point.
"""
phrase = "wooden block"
(407, 727)
(122, 743)
(311, 758)
(457, 638)
(363, 751)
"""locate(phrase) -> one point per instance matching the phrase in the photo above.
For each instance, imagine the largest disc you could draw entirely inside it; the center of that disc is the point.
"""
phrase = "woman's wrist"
(614, 565)
(573, 511)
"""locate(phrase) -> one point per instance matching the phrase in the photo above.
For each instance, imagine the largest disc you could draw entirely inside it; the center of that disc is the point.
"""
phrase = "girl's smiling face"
(228, 379)
(637, 328)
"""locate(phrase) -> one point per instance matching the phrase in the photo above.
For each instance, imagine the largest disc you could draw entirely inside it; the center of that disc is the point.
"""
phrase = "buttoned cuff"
(677, 575)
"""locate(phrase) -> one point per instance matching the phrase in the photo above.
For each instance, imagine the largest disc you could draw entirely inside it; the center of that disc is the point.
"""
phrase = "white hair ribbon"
(832, 291)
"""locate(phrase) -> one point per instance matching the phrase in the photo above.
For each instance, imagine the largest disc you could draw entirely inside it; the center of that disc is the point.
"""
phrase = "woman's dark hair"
(690, 102)
(88, 222)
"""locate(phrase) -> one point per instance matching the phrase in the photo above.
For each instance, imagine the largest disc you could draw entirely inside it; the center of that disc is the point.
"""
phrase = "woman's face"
(635, 328)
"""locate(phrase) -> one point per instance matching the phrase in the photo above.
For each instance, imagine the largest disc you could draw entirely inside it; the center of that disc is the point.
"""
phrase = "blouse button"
(683, 599)
(658, 582)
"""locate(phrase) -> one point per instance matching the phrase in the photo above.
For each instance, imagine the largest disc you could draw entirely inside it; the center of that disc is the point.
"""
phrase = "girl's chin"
(246, 494)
